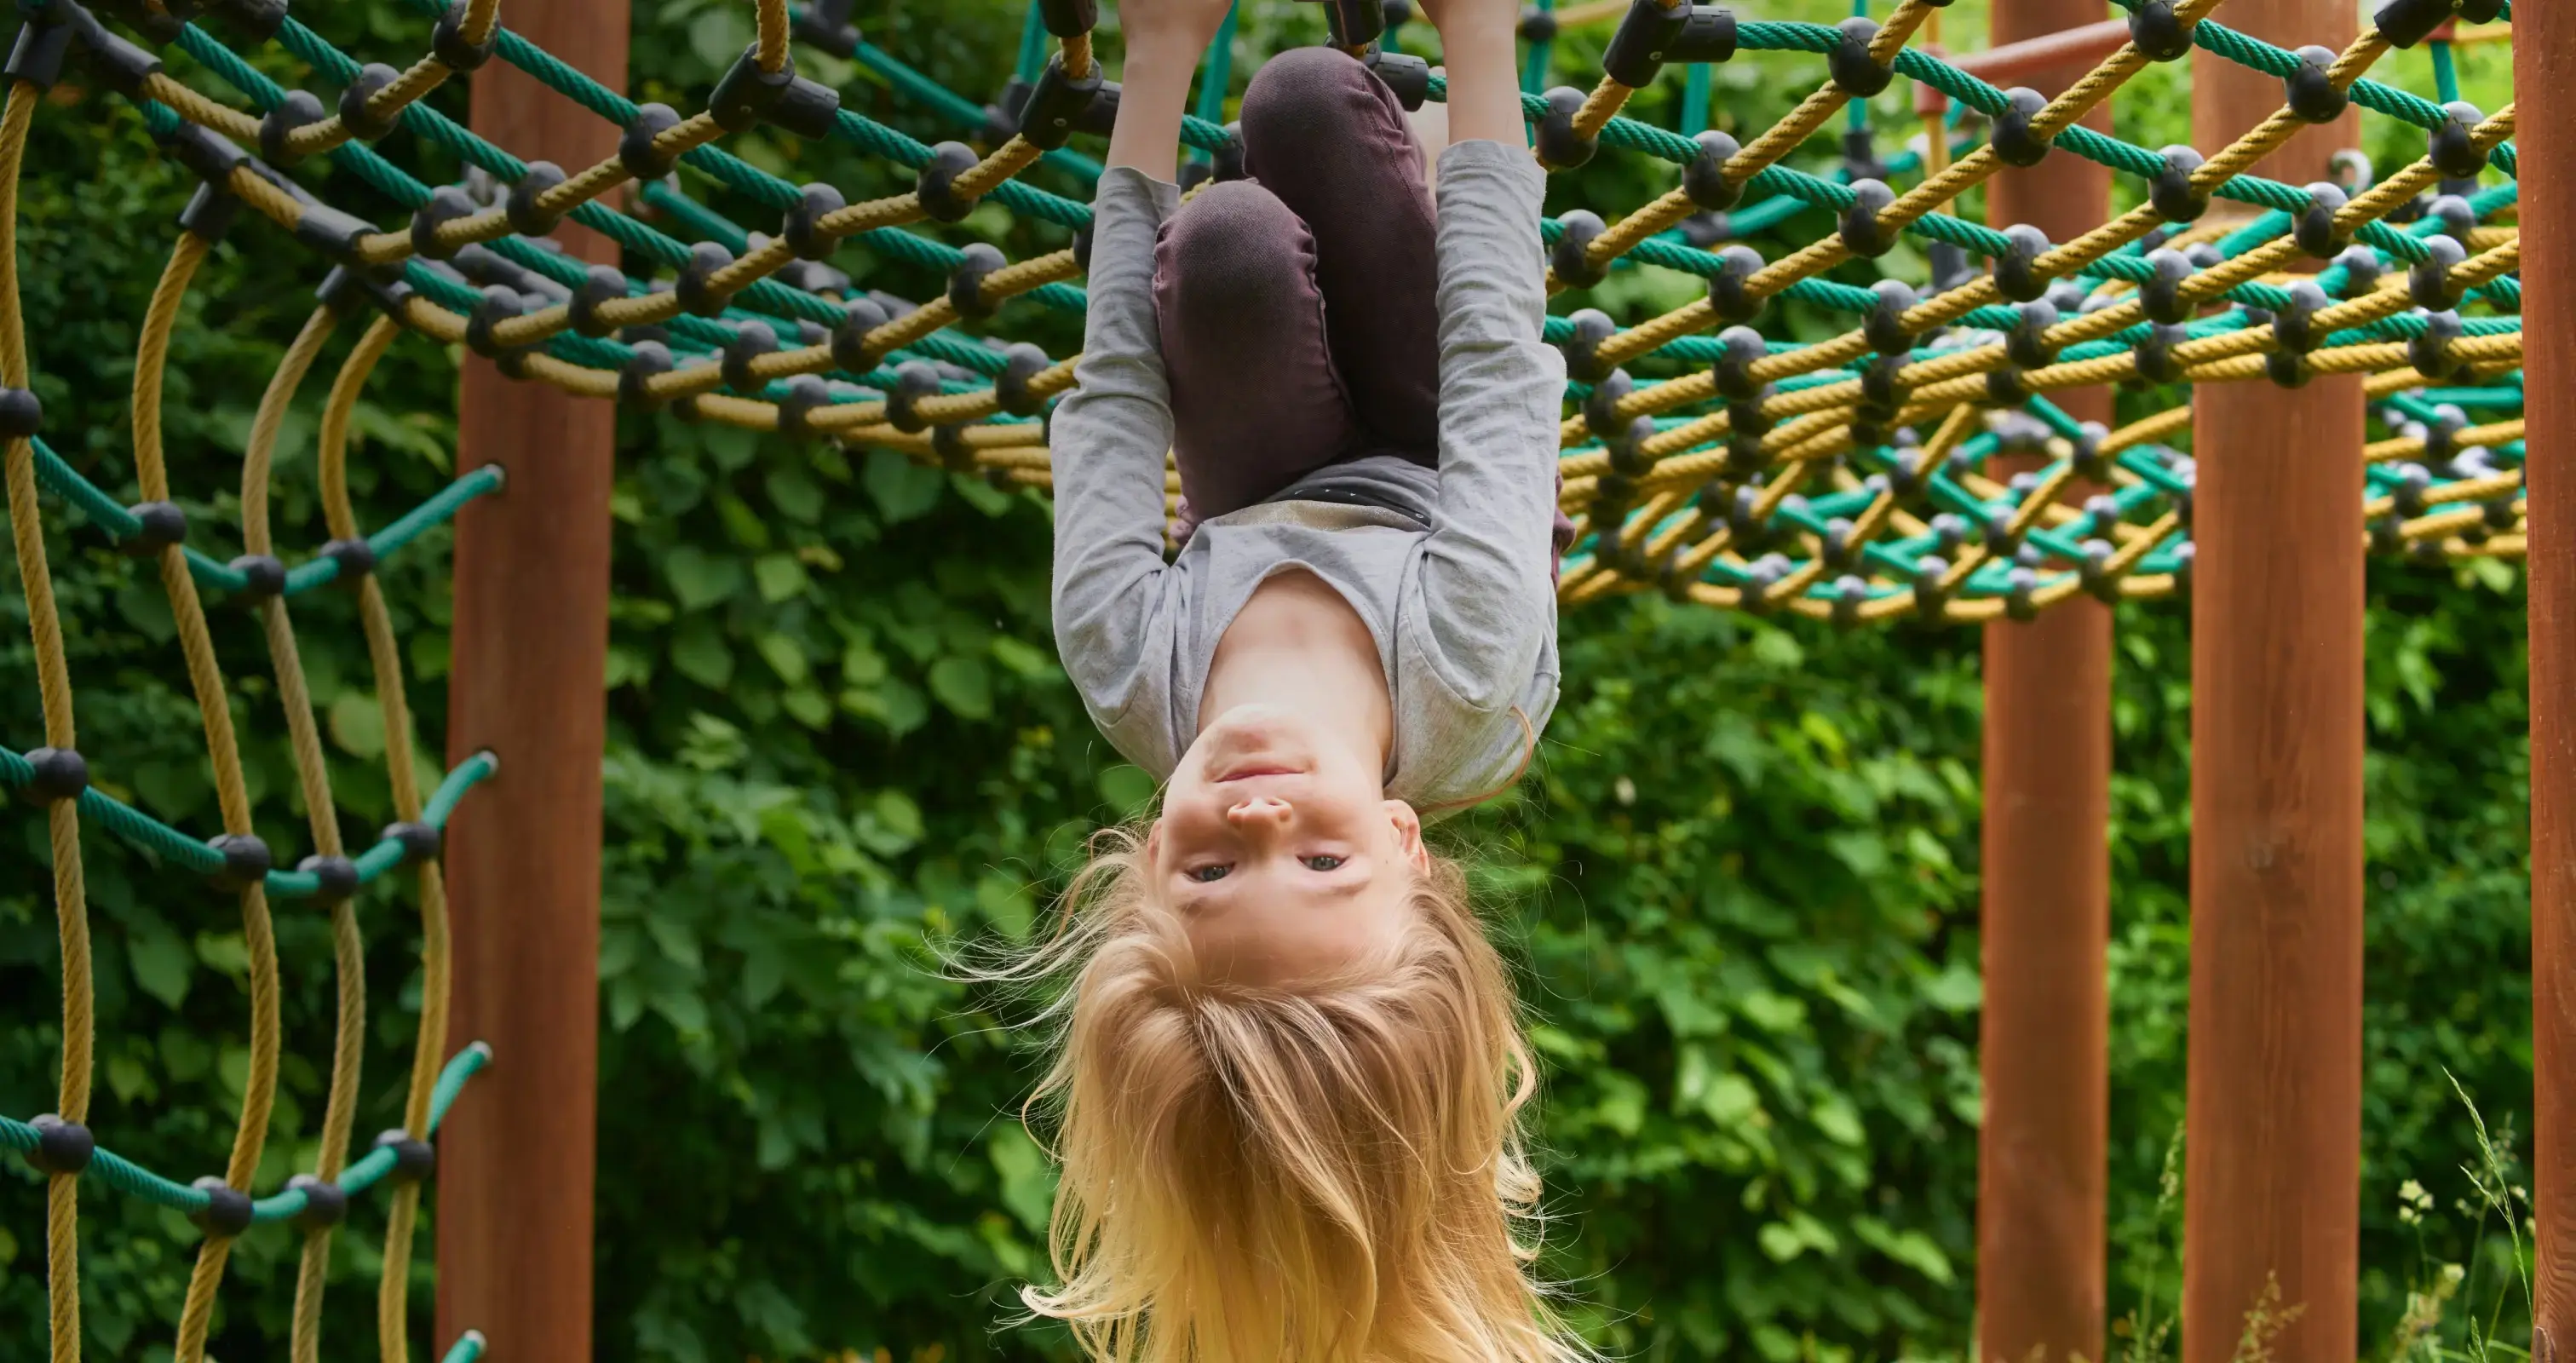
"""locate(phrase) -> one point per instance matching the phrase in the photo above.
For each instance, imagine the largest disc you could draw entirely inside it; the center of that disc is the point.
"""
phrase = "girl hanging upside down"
(1291, 1071)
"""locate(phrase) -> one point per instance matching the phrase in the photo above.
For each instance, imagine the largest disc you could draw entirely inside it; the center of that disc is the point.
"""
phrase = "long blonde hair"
(1332, 1173)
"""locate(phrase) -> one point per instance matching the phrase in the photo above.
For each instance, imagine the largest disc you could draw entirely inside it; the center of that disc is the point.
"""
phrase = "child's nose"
(1261, 813)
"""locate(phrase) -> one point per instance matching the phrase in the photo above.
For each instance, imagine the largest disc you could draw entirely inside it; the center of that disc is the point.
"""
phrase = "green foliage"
(1743, 884)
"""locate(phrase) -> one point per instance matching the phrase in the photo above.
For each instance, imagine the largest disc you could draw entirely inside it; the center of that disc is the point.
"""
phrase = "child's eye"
(1206, 874)
(1321, 863)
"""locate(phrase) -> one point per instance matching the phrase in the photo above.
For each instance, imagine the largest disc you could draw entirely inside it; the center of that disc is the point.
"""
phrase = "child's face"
(1278, 848)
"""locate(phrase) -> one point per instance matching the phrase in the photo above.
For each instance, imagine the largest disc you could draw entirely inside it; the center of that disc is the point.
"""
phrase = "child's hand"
(1170, 29)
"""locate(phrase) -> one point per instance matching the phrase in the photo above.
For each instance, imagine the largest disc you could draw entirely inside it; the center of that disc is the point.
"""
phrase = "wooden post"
(2273, 1139)
(2041, 1155)
(2544, 61)
(517, 1160)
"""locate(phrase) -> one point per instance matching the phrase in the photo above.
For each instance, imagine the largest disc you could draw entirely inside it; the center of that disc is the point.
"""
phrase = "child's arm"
(1486, 576)
(1112, 433)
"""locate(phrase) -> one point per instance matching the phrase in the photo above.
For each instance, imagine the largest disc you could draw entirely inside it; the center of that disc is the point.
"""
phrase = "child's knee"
(1234, 252)
(1308, 92)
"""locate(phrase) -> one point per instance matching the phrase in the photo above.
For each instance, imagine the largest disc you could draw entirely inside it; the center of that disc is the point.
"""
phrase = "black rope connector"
(913, 381)
(60, 774)
(528, 217)
(2014, 141)
(648, 359)
(2159, 34)
(2288, 369)
(2294, 326)
(2317, 232)
(1556, 142)
(2430, 350)
(751, 340)
(804, 393)
(801, 231)
(414, 1159)
(1862, 233)
(1592, 327)
(2360, 271)
(2027, 344)
(1069, 18)
(498, 304)
(1746, 421)
(1599, 406)
(1354, 23)
(1021, 364)
(1703, 231)
(354, 114)
(1882, 389)
(696, 285)
(2405, 23)
(603, 284)
(1884, 325)
(1728, 295)
(158, 526)
(2017, 275)
(1536, 25)
(2161, 294)
(1738, 350)
(937, 186)
(827, 24)
(325, 1205)
(257, 21)
(22, 414)
(2452, 145)
(1061, 106)
(246, 860)
(121, 65)
(356, 558)
(1704, 180)
(2004, 387)
(2310, 91)
(1854, 71)
(635, 149)
(447, 203)
(262, 576)
(948, 445)
(447, 41)
(1650, 35)
(227, 1212)
(1574, 268)
(419, 841)
(1408, 77)
(37, 55)
(62, 1147)
(334, 878)
(966, 282)
(2172, 193)
(297, 109)
(850, 347)
(747, 95)
(2154, 353)
(2428, 281)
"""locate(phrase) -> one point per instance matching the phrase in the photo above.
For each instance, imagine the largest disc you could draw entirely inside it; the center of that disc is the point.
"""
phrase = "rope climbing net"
(1845, 479)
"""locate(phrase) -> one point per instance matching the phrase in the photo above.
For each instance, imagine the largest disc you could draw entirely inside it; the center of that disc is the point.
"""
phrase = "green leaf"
(1127, 789)
(161, 962)
(1023, 659)
(701, 579)
(796, 495)
(779, 576)
(785, 656)
(893, 704)
(964, 686)
(357, 723)
(700, 652)
(901, 488)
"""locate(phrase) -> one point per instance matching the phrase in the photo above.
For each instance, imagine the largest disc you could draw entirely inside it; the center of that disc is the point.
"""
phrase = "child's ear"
(1408, 834)
(1154, 842)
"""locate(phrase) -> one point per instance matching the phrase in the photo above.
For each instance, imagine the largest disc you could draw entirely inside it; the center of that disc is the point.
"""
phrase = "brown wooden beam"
(517, 1161)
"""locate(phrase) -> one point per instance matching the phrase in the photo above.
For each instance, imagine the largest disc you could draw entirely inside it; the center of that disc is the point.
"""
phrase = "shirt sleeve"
(1108, 446)
(1489, 599)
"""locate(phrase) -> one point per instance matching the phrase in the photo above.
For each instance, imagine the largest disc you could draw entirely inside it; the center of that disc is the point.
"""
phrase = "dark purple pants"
(1297, 307)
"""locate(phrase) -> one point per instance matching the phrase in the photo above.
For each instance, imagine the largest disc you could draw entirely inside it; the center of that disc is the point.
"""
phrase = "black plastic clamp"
(648, 359)
(498, 304)
(262, 577)
(1592, 327)
(2014, 141)
(1738, 350)
(62, 1147)
(827, 24)
(2452, 145)
(2158, 32)
(1409, 77)
(1556, 142)
(937, 187)
(120, 65)
(246, 859)
(527, 216)
(447, 41)
(2004, 387)
(380, 288)
(255, 20)
(696, 284)
(2172, 193)
(747, 95)
(851, 349)
(1069, 18)
(37, 54)
(210, 211)
(61, 774)
(2405, 23)
(1061, 105)
(1884, 324)
(2294, 326)
(22, 414)
(1704, 180)
(2027, 343)
(2154, 353)
(751, 340)
(1021, 364)
(2317, 232)
(1853, 70)
(227, 1212)
(335, 878)
(2161, 293)
(976, 262)
(2428, 281)
(419, 841)
(331, 232)
(803, 393)
(356, 558)
(1354, 23)
(603, 284)
(1569, 257)
(913, 381)
(354, 114)
(325, 1204)
(801, 230)
(2017, 275)
(159, 526)
(1862, 233)
(1650, 35)
(414, 1159)
(1882, 389)
(1728, 294)
(2310, 90)
(2430, 350)
(635, 149)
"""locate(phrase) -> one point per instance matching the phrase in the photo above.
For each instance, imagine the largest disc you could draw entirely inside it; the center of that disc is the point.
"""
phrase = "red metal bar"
(2041, 1154)
(2545, 81)
(517, 1162)
(2271, 1209)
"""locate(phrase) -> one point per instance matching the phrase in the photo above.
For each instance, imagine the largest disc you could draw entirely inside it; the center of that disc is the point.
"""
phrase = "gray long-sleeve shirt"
(1464, 613)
